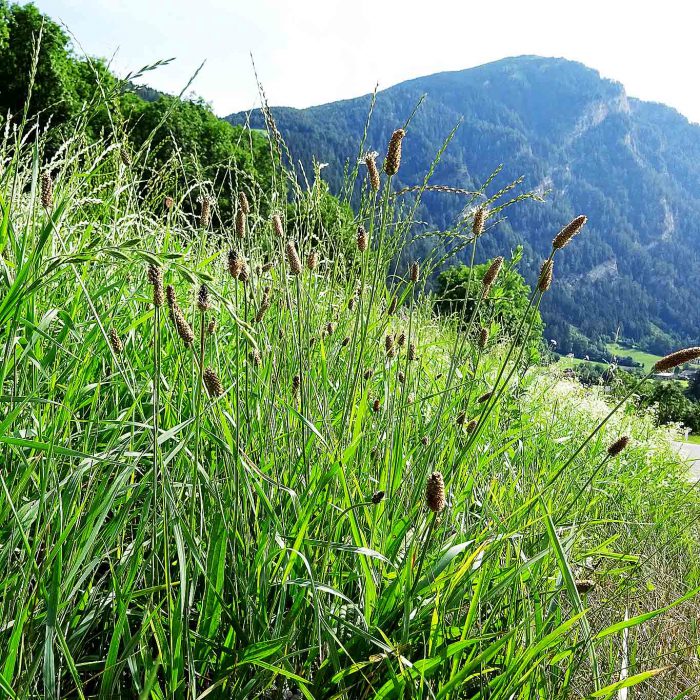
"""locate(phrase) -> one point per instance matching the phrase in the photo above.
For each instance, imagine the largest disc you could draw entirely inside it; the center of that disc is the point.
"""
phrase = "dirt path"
(690, 452)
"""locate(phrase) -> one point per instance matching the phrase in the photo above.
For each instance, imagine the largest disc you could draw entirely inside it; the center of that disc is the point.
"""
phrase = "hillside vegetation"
(258, 460)
(179, 139)
(630, 165)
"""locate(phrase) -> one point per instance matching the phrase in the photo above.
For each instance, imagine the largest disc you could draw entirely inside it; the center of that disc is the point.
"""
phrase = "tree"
(505, 305)
(188, 134)
(673, 405)
(230, 157)
(22, 29)
(694, 387)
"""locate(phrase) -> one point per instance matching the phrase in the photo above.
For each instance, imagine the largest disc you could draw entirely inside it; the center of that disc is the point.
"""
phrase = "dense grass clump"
(241, 465)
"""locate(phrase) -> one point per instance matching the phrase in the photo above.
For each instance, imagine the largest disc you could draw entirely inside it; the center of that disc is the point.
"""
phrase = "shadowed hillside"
(630, 165)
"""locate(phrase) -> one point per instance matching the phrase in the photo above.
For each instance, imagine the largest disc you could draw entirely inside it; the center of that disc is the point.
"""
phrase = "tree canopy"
(458, 292)
(44, 79)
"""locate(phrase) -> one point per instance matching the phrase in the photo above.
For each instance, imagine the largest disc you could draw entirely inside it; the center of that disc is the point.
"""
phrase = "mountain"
(633, 167)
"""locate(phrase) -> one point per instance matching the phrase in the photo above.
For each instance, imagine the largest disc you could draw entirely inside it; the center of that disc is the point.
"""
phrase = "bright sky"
(314, 51)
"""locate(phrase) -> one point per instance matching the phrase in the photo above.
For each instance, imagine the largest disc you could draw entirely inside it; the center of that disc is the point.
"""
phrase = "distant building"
(664, 376)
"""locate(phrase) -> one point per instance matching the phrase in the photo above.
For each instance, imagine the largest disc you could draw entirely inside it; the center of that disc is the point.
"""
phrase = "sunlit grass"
(646, 359)
(161, 540)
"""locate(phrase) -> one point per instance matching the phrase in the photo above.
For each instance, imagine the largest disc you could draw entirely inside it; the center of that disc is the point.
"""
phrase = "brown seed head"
(401, 377)
(234, 264)
(212, 383)
(330, 328)
(243, 203)
(125, 155)
(393, 153)
(435, 492)
(170, 295)
(568, 232)
(203, 303)
(483, 338)
(115, 341)
(618, 446)
(296, 384)
(277, 225)
(155, 277)
(243, 271)
(461, 418)
(211, 328)
(46, 189)
(485, 397)
(261, 313)
(362, 239)
(184, 330)
(401, 339)
(255, 357)
(545, 280)
(389, 346)
(377, 497)
(376, 405)
(312, 260)
(471, 426)
(293, 259)
(368, 374)
(491, 274)
(425, 440)
(412, 351)
(372, 171)
(168, 202)
(172, 310)
(264, 305)
(478, 222)
(240, 222)
(680, 357)
(346, 341)
(205, 212)
(415, 272)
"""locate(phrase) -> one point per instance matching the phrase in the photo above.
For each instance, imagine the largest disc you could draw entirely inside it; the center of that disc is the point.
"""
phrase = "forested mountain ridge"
(631, 166)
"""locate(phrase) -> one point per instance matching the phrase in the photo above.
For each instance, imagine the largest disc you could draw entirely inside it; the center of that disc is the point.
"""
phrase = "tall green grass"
(158, 542)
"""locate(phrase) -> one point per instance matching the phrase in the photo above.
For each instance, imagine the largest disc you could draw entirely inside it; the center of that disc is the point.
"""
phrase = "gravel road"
(691, 452)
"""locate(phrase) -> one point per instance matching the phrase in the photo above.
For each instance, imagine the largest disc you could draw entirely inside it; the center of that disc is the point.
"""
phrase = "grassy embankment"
(331, 490)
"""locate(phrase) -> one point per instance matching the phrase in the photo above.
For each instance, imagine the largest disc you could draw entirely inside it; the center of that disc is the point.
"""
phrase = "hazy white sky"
(314, 51)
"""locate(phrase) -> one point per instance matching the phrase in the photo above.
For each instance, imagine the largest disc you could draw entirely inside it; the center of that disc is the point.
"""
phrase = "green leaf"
(611, 689)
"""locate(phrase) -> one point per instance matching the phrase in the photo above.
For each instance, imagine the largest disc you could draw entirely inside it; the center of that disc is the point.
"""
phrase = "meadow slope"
(251, 462)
